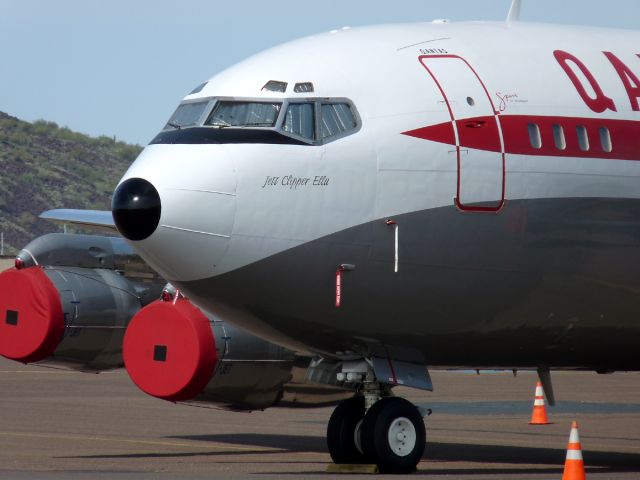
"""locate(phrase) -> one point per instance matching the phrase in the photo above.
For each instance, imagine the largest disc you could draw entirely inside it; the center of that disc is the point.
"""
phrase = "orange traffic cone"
(574, 464)
(539, 415)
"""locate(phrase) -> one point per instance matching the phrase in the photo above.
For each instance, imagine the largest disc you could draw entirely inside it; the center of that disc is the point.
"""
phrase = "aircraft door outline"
(476, 123)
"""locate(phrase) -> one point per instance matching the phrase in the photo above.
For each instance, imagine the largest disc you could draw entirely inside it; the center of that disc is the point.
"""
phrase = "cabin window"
(558, 137)
(605, 139)
(337, 118)
(299, 120)
(187, 115)
(583, 138)
(244, 114)
(534, 135)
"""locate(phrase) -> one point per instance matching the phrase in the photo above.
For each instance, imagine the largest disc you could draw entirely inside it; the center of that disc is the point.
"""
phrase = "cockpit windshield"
(244, 114)
(187, 115)
(300, 120)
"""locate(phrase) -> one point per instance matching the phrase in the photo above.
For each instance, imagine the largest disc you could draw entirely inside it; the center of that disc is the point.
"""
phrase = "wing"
(97, 220)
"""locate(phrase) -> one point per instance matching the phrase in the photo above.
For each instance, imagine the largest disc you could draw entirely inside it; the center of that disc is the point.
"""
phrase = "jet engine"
(90, 303)
(174, 351)
(70, 299)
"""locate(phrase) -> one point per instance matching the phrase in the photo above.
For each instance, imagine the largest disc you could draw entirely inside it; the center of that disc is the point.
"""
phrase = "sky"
(120, 67)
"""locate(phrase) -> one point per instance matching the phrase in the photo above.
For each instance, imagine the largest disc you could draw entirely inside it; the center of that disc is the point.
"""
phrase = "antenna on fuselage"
(514, 11)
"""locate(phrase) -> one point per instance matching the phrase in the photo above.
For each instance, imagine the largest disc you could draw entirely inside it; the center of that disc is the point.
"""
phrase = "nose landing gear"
(377, 428)
(393, 435)
(343, 431)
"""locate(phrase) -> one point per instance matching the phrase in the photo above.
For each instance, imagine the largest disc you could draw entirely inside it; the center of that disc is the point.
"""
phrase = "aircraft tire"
(393, 435)
(341, 431)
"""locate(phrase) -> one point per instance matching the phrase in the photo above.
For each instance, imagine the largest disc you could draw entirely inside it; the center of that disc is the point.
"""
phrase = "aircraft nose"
(136, 208)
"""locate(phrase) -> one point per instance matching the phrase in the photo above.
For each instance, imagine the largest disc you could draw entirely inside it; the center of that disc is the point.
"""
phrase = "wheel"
(342, 439)
(393, 435)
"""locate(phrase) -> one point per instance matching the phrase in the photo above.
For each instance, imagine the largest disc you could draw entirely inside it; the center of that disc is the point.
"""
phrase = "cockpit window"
(187, 114)
(337, 118)
(244, 114)
(299, 120)
(198, 89)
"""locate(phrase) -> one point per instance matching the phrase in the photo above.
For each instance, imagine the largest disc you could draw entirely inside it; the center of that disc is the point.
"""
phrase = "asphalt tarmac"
(6, 262)
(56, 424)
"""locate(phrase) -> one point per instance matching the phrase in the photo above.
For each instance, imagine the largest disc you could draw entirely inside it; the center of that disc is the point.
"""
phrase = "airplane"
(387, 200)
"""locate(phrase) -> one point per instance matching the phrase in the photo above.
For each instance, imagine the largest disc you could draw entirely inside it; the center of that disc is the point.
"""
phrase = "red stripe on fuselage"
(442, 133)
(624, 134)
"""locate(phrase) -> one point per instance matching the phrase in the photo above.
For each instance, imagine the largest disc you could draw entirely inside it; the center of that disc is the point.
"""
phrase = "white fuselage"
(228, 206)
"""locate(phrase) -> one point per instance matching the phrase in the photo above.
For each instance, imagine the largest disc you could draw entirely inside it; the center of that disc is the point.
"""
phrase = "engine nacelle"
(85, 302)
(68, 304)
(175, 352)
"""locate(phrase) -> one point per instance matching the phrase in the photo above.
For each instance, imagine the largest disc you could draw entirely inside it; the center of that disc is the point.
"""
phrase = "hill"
(44, 166)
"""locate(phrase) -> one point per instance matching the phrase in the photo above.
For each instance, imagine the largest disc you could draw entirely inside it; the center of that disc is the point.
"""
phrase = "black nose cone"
(136, 208)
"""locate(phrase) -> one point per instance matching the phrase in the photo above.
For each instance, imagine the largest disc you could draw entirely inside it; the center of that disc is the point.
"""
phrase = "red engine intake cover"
(31, 317)
(169, 350)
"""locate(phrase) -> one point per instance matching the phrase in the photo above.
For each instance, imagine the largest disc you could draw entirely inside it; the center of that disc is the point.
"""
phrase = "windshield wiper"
(224, 124)
(175, 125)
(220, 123)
